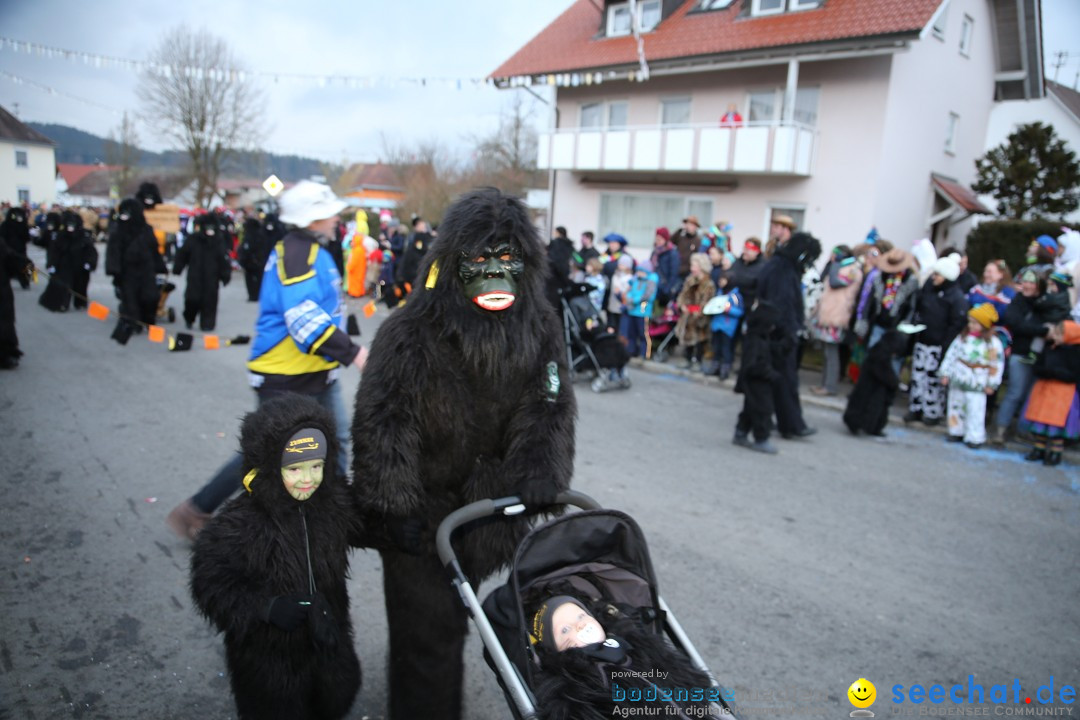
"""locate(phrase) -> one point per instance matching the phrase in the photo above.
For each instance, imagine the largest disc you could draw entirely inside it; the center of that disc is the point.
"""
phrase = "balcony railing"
(766, 148)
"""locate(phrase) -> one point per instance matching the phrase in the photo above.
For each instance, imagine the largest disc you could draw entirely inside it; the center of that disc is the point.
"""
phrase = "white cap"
(948, 267)
(307, 201)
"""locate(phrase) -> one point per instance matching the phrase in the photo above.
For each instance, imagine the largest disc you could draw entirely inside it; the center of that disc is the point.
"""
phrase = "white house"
(854, 113)
(27, 163)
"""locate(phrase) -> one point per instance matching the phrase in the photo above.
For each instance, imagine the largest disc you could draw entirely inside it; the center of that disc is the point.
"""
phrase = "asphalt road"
(904, 560)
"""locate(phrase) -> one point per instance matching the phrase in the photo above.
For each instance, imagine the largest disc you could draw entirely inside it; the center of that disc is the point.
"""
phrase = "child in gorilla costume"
(465, 396)
(204, 256)
(868, 405)
(269, 570)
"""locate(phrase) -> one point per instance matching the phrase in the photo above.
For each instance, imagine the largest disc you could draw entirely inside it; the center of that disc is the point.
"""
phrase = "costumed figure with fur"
(756, 378)
(68, 258)
(252, 254)
(466, 395)
(205, 257)
(134, 262)
(269, 571)
(15, 234)
(11, 265)
(868, 405)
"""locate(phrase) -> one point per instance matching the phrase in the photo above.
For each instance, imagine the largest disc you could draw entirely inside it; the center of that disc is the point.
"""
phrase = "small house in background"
(372, 186)
(27, 163)
(843, 114)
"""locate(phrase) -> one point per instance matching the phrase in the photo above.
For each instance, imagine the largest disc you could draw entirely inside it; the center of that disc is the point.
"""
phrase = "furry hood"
(762, 318)
(71, 218)
(206, 222)
(801, 250)
(134, 210)
(15, 215)
(263, 435)
(148, 195)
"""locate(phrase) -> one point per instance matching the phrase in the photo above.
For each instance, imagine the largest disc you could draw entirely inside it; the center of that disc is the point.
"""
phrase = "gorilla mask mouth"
(497, 300)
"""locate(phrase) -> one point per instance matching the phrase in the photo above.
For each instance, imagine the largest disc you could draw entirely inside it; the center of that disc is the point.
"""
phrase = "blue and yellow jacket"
(299, 337)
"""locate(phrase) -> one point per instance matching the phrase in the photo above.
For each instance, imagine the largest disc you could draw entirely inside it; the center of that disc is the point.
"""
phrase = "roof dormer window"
(775, 7)
(618, 17)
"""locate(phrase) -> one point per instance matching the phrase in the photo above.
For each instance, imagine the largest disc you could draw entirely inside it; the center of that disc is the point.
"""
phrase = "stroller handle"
(510, 505)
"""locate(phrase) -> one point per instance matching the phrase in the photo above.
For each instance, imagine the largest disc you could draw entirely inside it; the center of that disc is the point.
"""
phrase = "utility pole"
(1059, 60)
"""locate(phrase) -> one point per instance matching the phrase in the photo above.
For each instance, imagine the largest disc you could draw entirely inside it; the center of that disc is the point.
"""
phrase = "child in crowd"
(594, 278)
(725, 324)
(756, 376)
(638, 307)
(692, 329)
(972, 369)
(620, 284)
(868, 405)
(1052, 414)
(269, 570)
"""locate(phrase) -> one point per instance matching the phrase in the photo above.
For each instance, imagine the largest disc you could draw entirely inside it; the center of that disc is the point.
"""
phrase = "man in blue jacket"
(300, 340)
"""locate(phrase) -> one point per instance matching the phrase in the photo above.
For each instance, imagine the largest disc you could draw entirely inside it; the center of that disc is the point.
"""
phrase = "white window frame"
(614, 9)
(23, 194)
(611, 104)
(967, 30)
(796, 5)
(757, 11)
(25, 156)
(677, 98)
(938, 28)
(950, 133)
(605, 107)
(646, 236)
(779, 96)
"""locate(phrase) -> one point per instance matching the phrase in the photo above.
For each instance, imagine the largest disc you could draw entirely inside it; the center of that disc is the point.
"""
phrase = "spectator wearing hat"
(616, 250)
(638, 307)
(1027, 321)
(687, 240)
(780, 229)
(300, 342)
(1052, 414)
(833, 313)
(972, 370)
(665, 262)
(942, 308)
(966, 279)
(891, 297)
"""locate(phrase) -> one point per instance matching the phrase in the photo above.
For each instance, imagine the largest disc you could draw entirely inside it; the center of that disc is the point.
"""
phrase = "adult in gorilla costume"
(252, 255)
(68, 255)
(11, 265)
(15, 234)
(206, 260)
(465, 396)
(133, 261)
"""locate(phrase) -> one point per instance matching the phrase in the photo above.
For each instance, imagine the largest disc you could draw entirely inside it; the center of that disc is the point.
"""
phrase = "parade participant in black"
(868, 405)
(560, 254)
(133, 261)
(756, 378)
(252, 255)
(269, 570)
(64, 260)
(780, 283)
(416, 246)
(88, 261)
(18, 266)
(203, 255)
(465, 396)
(15, 233)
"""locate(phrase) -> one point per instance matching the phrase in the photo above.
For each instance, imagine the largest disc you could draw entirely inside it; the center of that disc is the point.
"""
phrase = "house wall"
(39, 176)
(925, 85)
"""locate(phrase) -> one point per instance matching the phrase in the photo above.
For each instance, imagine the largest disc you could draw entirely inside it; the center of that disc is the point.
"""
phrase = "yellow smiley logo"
(862, 693)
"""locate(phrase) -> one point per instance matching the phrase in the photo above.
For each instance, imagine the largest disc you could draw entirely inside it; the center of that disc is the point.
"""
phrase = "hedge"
(1008, 240)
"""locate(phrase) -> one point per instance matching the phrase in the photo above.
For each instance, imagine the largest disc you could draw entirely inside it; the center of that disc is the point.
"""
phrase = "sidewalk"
(809, 377)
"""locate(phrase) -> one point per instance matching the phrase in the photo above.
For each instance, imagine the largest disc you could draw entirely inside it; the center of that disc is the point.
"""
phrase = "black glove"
(537, 494)
(324, 629)
(287, 612)
(407, 533)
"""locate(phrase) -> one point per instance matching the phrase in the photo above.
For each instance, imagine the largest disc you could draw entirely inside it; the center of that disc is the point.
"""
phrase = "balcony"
(767, 149)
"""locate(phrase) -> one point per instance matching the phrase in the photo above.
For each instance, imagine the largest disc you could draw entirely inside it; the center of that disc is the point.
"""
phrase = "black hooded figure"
(868, 405)
(70, 251)
(15, 233)
(251, 255)
(148, 195)
(757, 375)
(203, 255)
(11, 265)
(133, 261)
(266, 554)
(780, 284)
(465, 396)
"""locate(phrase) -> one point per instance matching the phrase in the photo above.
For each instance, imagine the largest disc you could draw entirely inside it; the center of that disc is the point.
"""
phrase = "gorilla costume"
(756, 373)
(251, 255)
(868, 405)
(133, 261)
(263, 556)
(71, 257)
(15, 233)
(11, 265)
(204, 256)
(465, 396)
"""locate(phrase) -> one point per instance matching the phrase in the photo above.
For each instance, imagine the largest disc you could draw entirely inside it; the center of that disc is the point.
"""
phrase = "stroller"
(589, 345)
(600, 554)
(661, 332)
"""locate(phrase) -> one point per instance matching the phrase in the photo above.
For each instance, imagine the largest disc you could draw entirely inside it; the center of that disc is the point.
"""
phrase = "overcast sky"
(365, 38)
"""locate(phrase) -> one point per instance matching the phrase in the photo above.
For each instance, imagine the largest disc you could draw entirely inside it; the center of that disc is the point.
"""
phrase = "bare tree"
(507, 157)
(430, 179)
(199, 96)
(121, 150)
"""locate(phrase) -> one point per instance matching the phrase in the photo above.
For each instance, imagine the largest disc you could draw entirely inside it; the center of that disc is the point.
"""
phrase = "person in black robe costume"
(252, 254)
(133, 261)
(88, 261)
(67, 257)
(465, 395)
(868, 405)
(11, 265)
(203, 255)
(15, 233)
(756, 377)
(257, 562)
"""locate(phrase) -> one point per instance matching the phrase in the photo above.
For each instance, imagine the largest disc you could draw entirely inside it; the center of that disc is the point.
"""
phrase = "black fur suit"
(458, 403)
(869, 403)
(11, 265)
(69, 252)
(203, 255)
(252, 255)
(254, 550)
(133, 261)
(15, 233)
(756, 373)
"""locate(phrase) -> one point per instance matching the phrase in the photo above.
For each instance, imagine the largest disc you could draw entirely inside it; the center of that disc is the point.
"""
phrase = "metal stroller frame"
(516, 688)
(572, 332)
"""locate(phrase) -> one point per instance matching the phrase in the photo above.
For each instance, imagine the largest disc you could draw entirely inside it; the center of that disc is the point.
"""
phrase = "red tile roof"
(73, 172)
(961, 196)
(570, 42)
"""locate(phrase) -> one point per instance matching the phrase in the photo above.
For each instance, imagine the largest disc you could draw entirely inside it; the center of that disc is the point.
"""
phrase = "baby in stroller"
(590, 344)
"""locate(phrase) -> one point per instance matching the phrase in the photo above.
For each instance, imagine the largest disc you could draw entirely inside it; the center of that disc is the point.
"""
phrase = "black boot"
(1036, 454)
(1053, 457)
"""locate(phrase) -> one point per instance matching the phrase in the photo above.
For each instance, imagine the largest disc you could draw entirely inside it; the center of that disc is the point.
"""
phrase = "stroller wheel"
(599, 385)
(171, 314)
(660, 356)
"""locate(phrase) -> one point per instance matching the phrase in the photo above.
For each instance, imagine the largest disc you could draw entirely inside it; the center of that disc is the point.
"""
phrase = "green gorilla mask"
(490, 277)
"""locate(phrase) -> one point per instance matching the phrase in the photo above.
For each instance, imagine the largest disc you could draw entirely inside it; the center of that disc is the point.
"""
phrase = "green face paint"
(490, 278)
